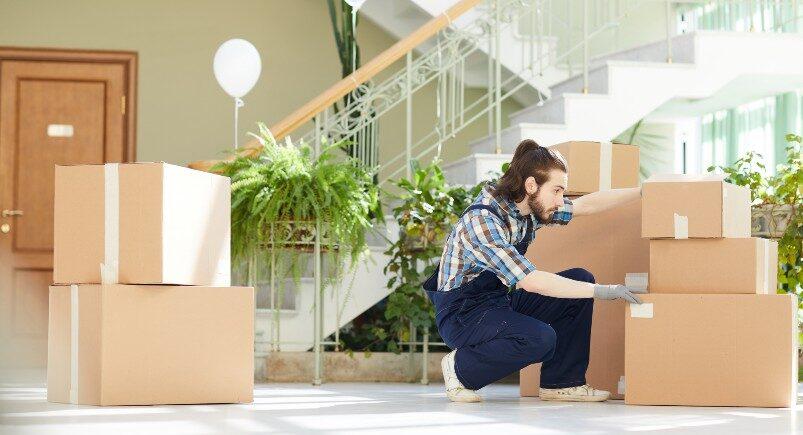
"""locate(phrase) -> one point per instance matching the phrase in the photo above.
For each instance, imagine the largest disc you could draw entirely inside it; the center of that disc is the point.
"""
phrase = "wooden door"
(56, 107)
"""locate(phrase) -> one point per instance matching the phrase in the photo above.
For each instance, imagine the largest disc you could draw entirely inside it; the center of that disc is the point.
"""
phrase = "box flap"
(685, 178)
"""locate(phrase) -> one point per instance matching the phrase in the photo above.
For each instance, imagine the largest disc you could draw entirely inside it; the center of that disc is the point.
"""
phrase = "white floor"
(389, 408)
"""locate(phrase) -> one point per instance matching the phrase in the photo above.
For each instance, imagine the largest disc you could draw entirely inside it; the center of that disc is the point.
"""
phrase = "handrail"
(370, 69)
(349, 83)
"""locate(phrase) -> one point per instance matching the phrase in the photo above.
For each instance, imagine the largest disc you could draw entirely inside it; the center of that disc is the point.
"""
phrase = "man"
(495, 309)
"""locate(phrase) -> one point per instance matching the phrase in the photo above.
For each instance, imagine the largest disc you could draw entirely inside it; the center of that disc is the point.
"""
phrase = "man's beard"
(544, 216)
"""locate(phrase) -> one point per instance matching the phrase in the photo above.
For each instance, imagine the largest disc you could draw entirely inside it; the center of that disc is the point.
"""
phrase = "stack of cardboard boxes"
(142, 311)
(608, 244)
(712, 331)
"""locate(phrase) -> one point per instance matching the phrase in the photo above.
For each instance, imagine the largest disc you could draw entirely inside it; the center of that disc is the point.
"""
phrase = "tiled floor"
(386, 408)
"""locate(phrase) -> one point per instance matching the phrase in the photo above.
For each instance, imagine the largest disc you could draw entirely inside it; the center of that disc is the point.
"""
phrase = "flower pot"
(771, 220)
(419, 237)
(297, 235)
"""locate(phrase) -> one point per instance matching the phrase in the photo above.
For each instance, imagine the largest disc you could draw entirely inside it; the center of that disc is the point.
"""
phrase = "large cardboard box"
(714, 266)
(595, 166)
(712, 350)
(117, 344)
(694, 206)
(610, 246)
(146, 223)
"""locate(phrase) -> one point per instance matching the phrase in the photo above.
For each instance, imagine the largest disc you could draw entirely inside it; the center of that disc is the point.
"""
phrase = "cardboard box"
(146, 223)
(712, 350)
(714, 266)
(595, 166)
(694, 206)
(610, 246)
(115, 344)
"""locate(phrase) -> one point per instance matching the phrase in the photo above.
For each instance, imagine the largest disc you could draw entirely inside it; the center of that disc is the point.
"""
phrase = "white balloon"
(237, 66)
(355, 4)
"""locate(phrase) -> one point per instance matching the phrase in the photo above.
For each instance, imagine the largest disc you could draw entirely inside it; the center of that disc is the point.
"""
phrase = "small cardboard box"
(714, 266)
(712, 350)
(595, 166)
(146, 223)
(683, 206)
(114, 344)
(610, 246)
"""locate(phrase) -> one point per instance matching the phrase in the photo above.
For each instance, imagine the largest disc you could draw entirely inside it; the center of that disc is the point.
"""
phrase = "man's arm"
(605, 200)
(556, 286)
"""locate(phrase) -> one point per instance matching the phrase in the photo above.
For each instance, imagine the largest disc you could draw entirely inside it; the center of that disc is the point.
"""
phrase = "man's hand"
(617, 291)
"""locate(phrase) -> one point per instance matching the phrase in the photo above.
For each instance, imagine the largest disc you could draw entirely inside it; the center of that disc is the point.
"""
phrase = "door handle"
(8, 213)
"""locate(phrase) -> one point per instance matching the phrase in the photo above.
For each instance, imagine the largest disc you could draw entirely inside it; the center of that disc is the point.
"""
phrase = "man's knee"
(580, 274)
(540, 343)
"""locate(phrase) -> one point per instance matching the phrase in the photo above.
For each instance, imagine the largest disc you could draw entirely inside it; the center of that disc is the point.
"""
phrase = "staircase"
(460, 44)
(710, 71)
(517, 50)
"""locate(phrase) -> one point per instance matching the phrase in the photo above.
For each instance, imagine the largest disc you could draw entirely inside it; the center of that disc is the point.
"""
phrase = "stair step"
(472, 169)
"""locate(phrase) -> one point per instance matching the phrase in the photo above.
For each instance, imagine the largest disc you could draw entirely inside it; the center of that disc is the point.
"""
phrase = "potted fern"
(284, 195)
(777, 210)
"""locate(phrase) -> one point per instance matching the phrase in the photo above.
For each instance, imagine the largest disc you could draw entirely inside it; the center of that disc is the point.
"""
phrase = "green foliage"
(345, 31)
(428, 210)
(279, 195)
(426, 213)
(652, 147)
(783, 188)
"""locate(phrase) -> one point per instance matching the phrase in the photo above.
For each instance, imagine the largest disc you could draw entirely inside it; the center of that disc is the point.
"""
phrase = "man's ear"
(530, 186)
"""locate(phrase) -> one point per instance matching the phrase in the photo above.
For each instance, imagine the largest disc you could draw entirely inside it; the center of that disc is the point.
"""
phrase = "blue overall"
(498, 331)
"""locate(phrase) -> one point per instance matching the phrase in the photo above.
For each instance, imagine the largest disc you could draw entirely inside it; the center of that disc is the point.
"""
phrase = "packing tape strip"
(643, 310)
(766, 268)
(681, 224)
(111, 225)
(605, 165)
(637, 280)
(74, 343)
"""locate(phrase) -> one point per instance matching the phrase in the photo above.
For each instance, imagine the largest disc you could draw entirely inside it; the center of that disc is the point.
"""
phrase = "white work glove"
(617, 291)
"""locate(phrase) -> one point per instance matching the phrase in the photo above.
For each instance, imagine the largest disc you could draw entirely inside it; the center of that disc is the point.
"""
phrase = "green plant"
(784, 188)
(344, 21)
(278, 197)
(344, 27)
(428, 209)
(652, 147)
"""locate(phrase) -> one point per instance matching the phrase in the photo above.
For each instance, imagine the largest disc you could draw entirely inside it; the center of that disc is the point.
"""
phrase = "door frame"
(128, 59)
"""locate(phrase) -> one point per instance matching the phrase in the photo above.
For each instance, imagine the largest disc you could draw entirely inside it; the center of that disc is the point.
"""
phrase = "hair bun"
(525, 146)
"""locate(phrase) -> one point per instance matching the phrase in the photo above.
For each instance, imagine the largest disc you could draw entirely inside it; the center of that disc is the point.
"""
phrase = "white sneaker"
(455, 391)
(582, 393)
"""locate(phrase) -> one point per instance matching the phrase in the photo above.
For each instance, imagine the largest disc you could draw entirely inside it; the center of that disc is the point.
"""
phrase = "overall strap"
(490, 209)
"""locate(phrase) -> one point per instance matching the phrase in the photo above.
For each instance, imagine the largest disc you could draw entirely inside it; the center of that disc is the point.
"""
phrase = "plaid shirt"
(480, 241)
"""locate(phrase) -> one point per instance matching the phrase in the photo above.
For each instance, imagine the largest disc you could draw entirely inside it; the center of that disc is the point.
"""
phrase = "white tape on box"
(620, 387)
(74, 343)
(681, 224)
(637, 280)
(111, 224)
(605, 165)
(643, 310)
(766, 268)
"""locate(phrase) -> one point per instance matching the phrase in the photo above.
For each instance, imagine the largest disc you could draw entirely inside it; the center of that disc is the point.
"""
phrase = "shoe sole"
(575, 399)
(465, 401)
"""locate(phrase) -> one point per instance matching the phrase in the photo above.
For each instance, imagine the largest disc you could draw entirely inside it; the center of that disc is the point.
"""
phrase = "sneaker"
(582, 393)
(455, 391)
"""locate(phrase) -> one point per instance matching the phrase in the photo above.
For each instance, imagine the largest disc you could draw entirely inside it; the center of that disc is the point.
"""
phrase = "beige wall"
(183, 114)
